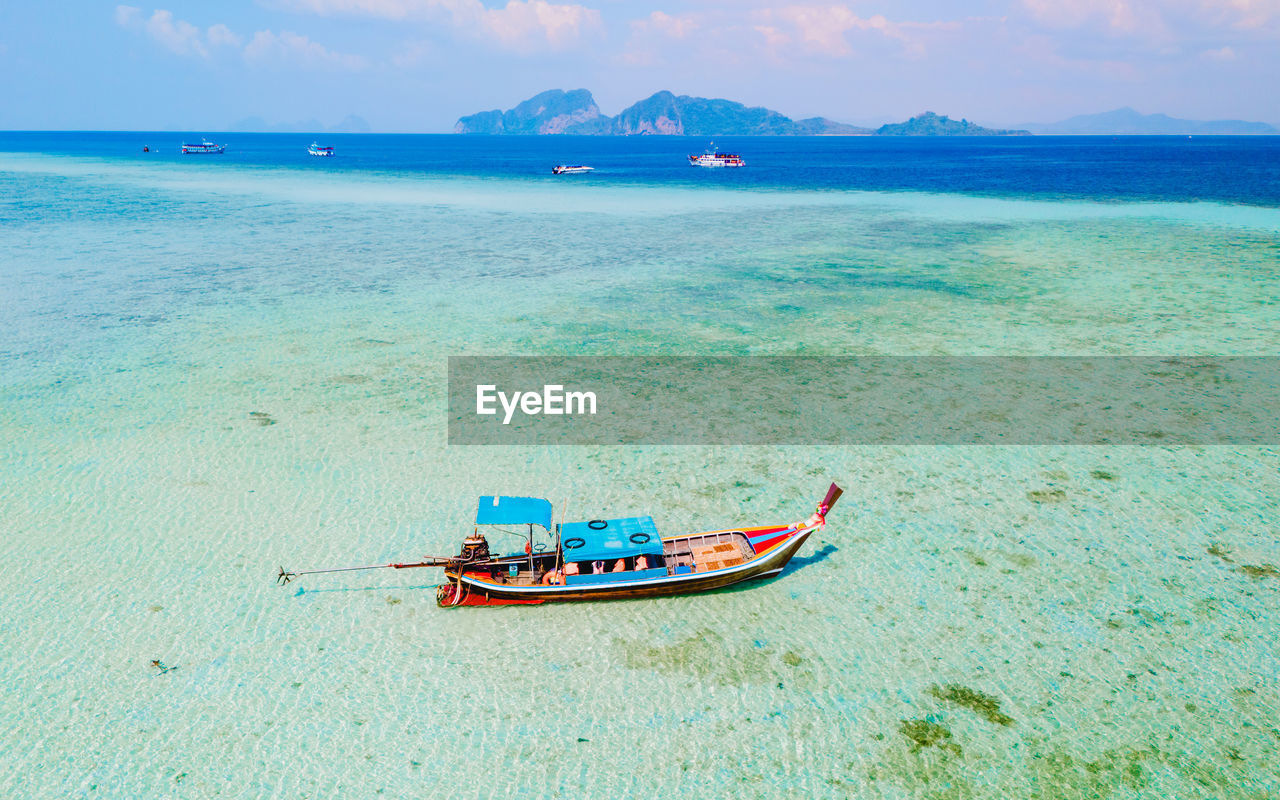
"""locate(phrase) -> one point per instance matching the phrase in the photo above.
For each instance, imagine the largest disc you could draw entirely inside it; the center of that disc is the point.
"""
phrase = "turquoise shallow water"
(1118, 603)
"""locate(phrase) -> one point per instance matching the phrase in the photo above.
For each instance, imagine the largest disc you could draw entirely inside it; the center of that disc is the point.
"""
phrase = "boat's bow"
(819, 517)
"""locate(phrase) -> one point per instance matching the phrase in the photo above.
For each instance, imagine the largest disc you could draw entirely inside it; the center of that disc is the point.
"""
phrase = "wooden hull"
(774, 547)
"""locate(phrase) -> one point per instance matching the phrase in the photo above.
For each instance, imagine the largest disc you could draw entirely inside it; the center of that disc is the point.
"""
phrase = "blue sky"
(417, 65)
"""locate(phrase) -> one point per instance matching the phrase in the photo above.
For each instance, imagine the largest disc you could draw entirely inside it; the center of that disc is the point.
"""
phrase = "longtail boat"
(602, 559)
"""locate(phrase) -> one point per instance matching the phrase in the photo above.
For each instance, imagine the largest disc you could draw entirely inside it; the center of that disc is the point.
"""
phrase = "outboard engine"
(475, 548)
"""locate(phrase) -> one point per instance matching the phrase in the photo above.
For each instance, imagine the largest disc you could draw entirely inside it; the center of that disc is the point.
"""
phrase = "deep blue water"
(1233, 169)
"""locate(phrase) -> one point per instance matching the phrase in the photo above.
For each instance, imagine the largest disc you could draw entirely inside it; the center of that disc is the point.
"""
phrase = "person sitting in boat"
(597, 567)
(475, 547)
(571, 568)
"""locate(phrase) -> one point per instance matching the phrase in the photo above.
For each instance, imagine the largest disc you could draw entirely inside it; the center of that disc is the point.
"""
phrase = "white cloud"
(181, 37)
(177, 36)
(825, 30)
(382, 9)
(127, 15)
(220, 35)
(1245, 13)
(289, 46)
(653, 34)
(820, 28)
(522, 22)
(1154, 19)
(674, 27)
(1116, 15)
(1221, 54)
(784, 34)
(774, 39)
(520, 25)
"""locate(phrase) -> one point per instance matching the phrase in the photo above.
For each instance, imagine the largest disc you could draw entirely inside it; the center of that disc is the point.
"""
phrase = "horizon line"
(626, 136)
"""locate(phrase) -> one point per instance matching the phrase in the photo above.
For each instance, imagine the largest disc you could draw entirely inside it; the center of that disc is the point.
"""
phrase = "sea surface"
(215, 366)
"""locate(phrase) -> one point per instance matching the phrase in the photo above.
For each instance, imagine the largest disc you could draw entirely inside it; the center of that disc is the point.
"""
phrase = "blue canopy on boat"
(514, 511)
(608, 539)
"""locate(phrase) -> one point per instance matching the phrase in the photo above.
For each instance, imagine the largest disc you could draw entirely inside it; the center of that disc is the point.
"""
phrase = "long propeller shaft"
(285, 576)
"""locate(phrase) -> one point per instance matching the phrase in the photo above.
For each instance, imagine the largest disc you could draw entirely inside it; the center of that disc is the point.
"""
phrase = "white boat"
(714, 158)
(317, 150)
(205, 146)
(570, 169)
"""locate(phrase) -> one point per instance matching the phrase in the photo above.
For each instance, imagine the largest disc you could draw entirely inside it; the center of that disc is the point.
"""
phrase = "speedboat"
(602, 559)
(205, 146)
(317, 150)
(570, 169)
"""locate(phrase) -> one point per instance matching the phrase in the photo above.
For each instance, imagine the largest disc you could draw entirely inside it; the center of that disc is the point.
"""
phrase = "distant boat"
(570, 169)
(205, 146)
(317, 150)
(714, 158)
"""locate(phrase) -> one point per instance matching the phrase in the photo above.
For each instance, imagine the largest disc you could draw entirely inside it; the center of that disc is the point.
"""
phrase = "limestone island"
(666, 114)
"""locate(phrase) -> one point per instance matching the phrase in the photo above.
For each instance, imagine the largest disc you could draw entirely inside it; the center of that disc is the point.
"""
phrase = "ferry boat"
(714, 158)
(602, 559)
(205, 146)
(317, 150)
(570, 169)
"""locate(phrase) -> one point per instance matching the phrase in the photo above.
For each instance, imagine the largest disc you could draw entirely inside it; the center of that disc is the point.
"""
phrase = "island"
(930, 124)
(663, 113)
(667, 114)
(1128, 122)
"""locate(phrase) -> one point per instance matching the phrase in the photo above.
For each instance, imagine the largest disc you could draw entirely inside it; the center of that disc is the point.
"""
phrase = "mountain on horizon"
(553, 111)
(930, 124)
(682, 115)
(667, 114)
(663, 113)
(1128, 122)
